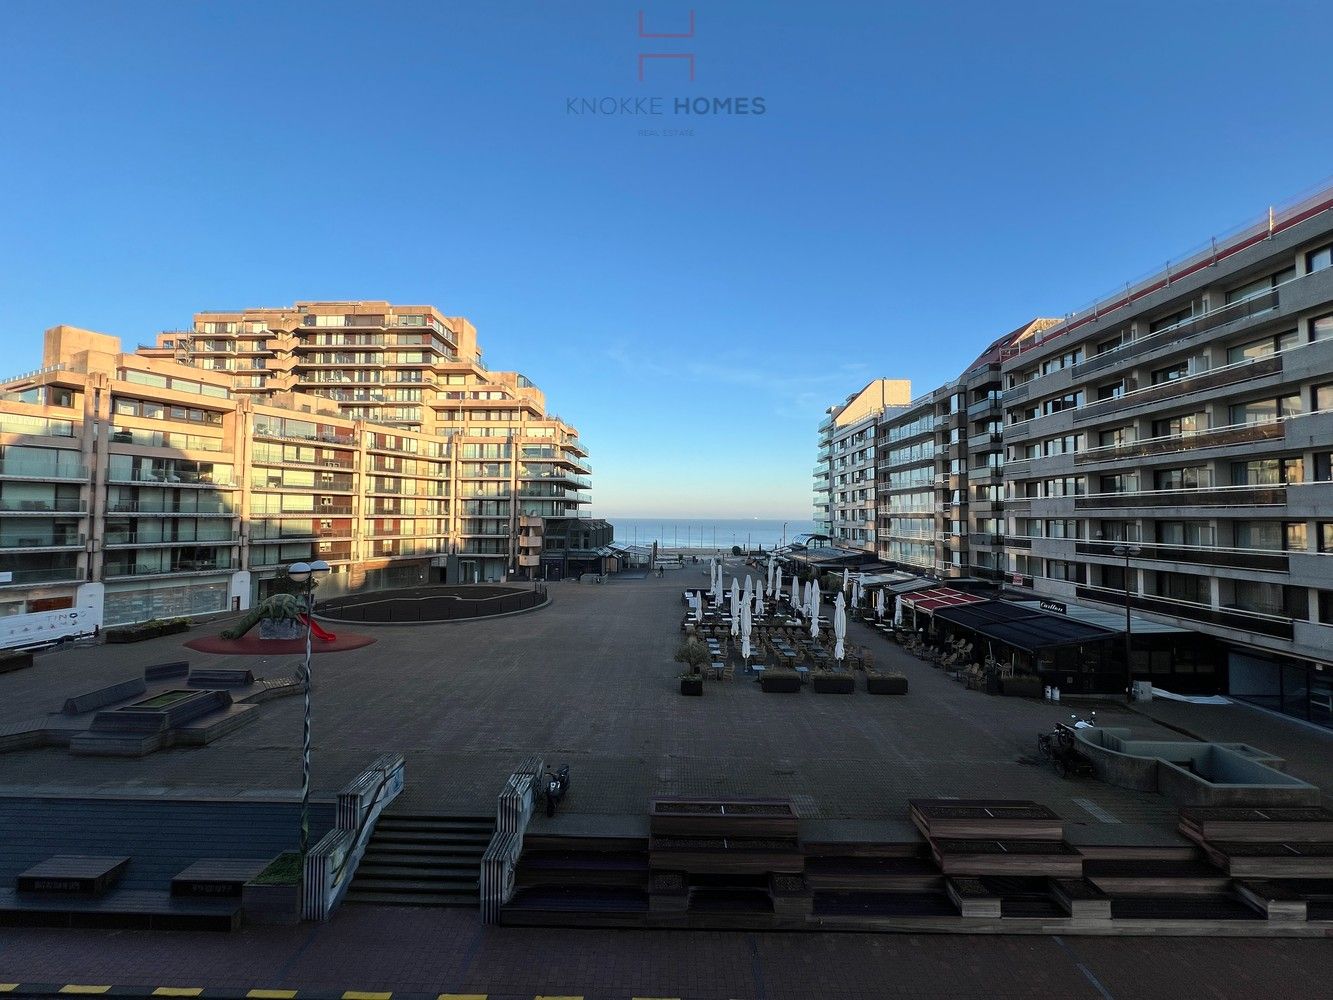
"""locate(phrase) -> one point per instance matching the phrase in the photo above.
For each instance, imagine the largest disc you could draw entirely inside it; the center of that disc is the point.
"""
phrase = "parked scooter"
(557, 784)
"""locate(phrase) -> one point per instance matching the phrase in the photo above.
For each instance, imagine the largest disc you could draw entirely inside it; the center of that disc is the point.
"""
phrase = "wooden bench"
(1081, 899)
(1004, 819)
(1273, 899)
(123, 908)
(217, 878)
(73, 874)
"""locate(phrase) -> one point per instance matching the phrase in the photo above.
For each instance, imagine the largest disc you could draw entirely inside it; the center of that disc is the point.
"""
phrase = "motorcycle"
(557, 784)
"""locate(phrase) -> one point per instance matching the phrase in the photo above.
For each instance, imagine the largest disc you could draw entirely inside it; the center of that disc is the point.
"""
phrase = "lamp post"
(1127, 550)
(307, 576)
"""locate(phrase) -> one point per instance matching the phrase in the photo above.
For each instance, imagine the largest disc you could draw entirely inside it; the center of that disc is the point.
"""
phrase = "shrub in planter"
(147, 630)
(827, 683)
(694, 654)
(780, 682)
(274, 895)
(692, 684)
(15, 660)
(877, 683)
(1022, 686)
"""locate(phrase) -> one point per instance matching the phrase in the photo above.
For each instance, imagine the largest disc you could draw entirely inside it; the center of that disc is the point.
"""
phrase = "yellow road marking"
(8, 987)
(76, 988)
(178, 991)
(355, 995)
(462, 996)
(540, 996)
(271, 994)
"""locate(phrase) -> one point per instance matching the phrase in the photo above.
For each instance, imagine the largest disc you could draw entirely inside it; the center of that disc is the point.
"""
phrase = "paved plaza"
(589, 680)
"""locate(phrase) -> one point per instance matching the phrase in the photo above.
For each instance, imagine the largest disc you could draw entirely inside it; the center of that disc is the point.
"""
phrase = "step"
(580, 900)
(390, 898)
(585, 860)
(870, 874)
(883, 904)
(417, 870)
(1211, 907)
(471, 826)
(431, 836)
(730, 901)
(1121, 877)
(408, 886)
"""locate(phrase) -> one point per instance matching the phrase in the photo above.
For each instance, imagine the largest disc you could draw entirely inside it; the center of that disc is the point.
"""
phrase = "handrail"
(514, 809)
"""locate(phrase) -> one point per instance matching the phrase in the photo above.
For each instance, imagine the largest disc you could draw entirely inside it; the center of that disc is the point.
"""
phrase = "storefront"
(1300, 688)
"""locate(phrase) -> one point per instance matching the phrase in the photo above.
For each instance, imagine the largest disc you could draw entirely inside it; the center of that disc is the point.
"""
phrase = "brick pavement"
(430, 952)
(588, 680)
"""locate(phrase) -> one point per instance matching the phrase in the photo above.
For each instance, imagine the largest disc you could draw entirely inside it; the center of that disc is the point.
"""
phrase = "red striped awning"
(929, 601)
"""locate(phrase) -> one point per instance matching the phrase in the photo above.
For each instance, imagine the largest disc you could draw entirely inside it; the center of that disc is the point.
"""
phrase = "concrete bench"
(217, 878)
(73, 874)
(102, 697)
(1273, 899)
(221, 678)
(161, 671)
(123, 908)
(1081, 899)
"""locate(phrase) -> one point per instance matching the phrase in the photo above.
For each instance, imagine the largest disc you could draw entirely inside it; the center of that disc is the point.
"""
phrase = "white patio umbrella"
(717, 588)
(735, 606)
(759, 604)
(859, 590)
(795, 600)
(879, 603)
(898, 610)
(747, 595)
(814, 610)
(699, 608)
(805, 598)
(772, 569)
(776, 590)
(746, 626)
(845, 575)
(839, 627)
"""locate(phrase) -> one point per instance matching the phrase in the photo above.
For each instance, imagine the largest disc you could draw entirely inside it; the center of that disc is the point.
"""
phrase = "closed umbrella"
(747, 595)
(845, 574)
(898, 610)
(839, 627)
(759, 604)
(776, 589)
(772, 569)
(795, 601)
(879, 603)
(699, 608)
(746, 625)
(717, 588)
(735, 606)
(814, 610)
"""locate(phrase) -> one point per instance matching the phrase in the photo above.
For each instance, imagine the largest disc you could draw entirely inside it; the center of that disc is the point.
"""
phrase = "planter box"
(1022, 687)
(824, 683)
(138, 633)
(780, 682)
(271, 904)
(886, 684)
(15, 661)
(692, 686)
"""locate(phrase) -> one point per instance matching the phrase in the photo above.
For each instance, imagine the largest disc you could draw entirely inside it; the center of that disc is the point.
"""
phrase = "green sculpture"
(279, 607)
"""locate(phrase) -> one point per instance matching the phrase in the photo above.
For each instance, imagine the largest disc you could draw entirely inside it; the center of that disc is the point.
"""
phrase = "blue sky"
(924, 177)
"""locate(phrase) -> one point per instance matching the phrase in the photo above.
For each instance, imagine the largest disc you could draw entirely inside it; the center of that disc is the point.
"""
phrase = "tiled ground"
(589, 680)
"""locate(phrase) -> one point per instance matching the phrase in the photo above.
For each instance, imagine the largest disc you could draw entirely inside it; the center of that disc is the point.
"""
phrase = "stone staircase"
(416, 859)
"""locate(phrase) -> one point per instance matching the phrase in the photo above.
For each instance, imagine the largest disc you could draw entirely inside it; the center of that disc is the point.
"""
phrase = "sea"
(706, 533)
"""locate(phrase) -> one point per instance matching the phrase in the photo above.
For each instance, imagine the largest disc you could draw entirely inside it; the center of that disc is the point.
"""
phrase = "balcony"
(993, 472)
(980, 538)
(1217, 496)
(40, 507)
(985, 440)
(1215, 437)
(22, 469)
(195, 567)
(529, 541)
(41, 541)
(162, 477)
(982, 408)
(157, 509)
(332, 510)
(1231, 618)
(334, 484)
(29, 577)
(133, 539)
(266, 433)
(1216, 378)
(1224, 316)
(1266, 560)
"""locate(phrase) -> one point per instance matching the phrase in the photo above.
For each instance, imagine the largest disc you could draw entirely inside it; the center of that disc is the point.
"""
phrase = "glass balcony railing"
(19, 577)
(25, 469)
(41, 540)
(72, 505)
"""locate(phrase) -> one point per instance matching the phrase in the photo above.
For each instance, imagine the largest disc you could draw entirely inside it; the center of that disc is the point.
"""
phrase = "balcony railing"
(1231, 313)
(21, 469)
(200, 510)
(981, 538)
(1233, 618)
(983, 407)
(118, 538)
(18, 577)
(73, 505)
(113, 570)
(1203, 555)
(1217, 496)
(1215, 378)
(1213, 437)
(41, 541)
(163, 477)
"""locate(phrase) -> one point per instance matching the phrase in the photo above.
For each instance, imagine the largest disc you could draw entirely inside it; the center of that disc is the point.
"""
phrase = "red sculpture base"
(248, 645)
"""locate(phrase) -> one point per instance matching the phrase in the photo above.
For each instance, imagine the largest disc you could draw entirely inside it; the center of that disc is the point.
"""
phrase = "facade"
(938, 474)
(1192, 420)
(845, 464)
(146, 486)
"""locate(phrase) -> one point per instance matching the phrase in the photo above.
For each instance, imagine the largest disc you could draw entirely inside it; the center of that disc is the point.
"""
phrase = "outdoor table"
(717, 669)
(804, 673)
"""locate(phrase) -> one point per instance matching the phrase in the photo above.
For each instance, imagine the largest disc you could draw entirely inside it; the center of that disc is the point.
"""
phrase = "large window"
(1321, 327)
(1263, 347)
(1260, 411)
(1260, 286)
(1317, 260)
(1184, 587)
(1268, 472)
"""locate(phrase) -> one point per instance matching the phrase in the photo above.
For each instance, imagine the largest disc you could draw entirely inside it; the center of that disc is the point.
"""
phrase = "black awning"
(1023, 628)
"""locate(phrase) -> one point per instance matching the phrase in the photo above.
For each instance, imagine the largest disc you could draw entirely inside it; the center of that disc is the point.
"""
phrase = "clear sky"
(923, 177)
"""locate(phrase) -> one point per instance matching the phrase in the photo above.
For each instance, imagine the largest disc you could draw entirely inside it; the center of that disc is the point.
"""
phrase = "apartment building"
(1176, 442)
(844, 497)
(413, 368)
(939, 472)
(136, 486)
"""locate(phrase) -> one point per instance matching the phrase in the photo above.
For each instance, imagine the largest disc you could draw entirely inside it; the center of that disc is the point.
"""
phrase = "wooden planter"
(138, 633)
(886, 683)
(15, 660)
(692, 685)
(780, 682)
(825, 683)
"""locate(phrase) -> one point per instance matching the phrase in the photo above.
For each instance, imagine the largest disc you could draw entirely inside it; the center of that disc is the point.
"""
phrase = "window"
(1265, 535)
(1263, 347)
(1321, 328)
(1296, 538)
(1169, 374)
(1268, 472)
(1192, 478)
(1185, 533)
(1326, 536)
(1317, 260)
(1184, 587)
(1186, 423)
(1270, 599)
(1260, 411)
(1174, 319)
(1260, 286)
(1321, 397)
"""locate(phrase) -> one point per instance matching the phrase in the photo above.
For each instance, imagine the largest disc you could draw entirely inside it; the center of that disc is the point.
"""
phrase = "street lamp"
(1127, 550)
(307, 576)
